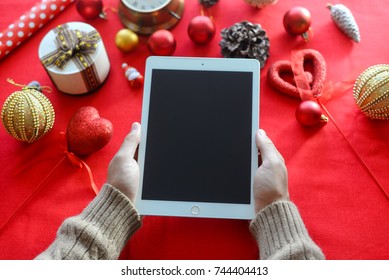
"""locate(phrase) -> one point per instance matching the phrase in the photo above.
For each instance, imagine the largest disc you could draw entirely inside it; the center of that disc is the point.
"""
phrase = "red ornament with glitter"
(297, 21)
(201, 29)
(162, 42)
(87, 132)
(135, 78)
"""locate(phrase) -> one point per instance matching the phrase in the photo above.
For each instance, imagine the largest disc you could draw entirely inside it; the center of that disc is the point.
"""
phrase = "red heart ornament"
(87, 132)
(307, 70)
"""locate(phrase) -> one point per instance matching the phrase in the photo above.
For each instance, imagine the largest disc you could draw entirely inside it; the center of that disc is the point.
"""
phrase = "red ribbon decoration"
(307, 93)
(77, 162)
(80, 164)
(309, 90)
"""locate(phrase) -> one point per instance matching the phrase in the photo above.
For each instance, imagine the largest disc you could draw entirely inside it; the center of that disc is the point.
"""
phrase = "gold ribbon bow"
(72, 44)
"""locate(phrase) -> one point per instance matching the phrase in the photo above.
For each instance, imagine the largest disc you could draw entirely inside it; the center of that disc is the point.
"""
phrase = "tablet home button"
(195, 210)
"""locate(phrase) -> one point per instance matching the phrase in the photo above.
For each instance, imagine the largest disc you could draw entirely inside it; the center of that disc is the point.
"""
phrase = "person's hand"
(123, 170)
(271, 178)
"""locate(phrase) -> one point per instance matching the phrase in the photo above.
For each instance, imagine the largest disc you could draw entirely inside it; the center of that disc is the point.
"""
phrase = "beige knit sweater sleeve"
(100, 232)
(281, 234)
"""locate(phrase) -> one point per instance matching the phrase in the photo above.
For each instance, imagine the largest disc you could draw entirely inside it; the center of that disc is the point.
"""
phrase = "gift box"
(74, 56)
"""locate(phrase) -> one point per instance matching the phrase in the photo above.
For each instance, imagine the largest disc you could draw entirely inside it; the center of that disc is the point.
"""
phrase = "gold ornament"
(27, 115)
(371, 92)
(126, 40)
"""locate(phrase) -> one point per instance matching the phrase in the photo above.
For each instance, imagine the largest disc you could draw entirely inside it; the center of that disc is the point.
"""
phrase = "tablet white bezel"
(198, 209)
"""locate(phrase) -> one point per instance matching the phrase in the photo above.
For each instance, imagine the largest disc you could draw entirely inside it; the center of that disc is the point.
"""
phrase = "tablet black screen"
(199, 137)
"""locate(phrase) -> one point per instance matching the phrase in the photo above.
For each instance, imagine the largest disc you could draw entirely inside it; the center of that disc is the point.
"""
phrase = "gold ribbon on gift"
(75, 45)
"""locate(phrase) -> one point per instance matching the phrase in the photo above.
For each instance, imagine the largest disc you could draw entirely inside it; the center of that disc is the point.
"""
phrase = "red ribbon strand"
(77, 162)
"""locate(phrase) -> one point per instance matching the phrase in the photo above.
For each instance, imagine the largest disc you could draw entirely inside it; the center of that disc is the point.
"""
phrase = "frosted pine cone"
(208, 3)
(245, 40)
(344, 19)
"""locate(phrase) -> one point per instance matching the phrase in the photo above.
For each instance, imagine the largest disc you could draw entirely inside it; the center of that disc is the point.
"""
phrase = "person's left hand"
(123, 170)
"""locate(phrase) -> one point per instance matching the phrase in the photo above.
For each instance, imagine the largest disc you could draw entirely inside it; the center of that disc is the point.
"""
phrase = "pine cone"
(208, 3)
(245, 40)
(261, 3)
(344, 19)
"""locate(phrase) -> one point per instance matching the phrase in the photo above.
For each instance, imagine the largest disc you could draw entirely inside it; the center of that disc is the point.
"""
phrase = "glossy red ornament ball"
(201, 29)
(162, 42)
(89, 9)
(308, 113)
(297, 20)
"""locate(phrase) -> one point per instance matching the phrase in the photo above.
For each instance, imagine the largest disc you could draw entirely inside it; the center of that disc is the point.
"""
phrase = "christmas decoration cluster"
(82, 48)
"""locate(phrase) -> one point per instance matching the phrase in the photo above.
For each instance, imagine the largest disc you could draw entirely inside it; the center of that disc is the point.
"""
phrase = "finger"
(266, 147)
(131, 142)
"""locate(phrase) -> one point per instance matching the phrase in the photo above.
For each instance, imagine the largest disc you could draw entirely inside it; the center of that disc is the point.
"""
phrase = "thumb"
(131, 141)
(265, 146)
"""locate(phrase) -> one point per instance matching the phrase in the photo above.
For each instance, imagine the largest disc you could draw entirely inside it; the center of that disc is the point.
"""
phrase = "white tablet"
(197, 155)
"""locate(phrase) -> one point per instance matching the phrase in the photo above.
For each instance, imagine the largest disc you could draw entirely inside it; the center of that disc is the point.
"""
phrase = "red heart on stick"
(87, 132)
(308, 71)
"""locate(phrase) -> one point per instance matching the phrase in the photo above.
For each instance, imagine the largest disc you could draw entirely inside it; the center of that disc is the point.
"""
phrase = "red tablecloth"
(344, 209)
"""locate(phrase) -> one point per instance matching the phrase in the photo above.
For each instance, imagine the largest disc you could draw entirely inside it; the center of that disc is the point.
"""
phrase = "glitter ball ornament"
(126, 40)
(371, 92)
(27, 115)
(162, 42)
(201, 30)
(245, 40)
(261, 3)
(345, 20)
(90, 9)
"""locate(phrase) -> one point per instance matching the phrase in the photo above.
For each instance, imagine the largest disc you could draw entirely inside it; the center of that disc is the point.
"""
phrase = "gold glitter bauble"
(27, 115)
(371, 92)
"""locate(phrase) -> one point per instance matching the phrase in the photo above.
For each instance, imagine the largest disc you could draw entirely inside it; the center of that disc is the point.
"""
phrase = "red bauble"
(201, 29)
(89, 9)
(308, 113)
(162, 42)
(87, 132)
(297, 21)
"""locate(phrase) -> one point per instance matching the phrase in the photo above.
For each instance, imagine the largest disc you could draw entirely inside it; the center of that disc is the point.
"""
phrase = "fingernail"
(135, 127)
(261, 132)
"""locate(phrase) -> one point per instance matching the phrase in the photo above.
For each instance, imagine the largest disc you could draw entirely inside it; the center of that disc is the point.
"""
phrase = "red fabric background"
(344, 210)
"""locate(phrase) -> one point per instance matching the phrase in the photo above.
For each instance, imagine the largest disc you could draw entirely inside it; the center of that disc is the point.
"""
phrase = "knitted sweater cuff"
(100, 232)
(281, 233)
(115, 216)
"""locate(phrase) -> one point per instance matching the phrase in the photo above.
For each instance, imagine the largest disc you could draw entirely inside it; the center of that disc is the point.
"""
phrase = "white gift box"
(75, 58)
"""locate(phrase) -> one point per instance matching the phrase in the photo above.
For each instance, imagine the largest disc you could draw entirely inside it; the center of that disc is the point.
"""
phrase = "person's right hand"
(271, 178)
